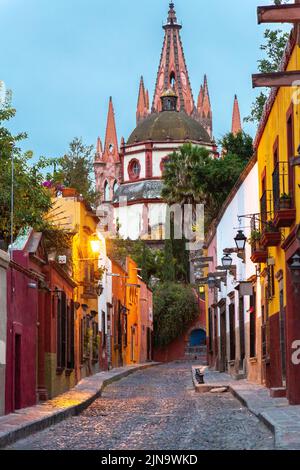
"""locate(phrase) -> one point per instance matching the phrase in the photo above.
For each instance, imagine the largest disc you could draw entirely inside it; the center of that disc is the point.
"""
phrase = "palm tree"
(180, 183)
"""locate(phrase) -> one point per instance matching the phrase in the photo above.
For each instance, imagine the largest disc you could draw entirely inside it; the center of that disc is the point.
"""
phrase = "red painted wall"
(22, 316)
(176, 350)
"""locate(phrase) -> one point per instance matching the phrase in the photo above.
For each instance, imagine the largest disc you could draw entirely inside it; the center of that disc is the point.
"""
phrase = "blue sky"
(64, 58)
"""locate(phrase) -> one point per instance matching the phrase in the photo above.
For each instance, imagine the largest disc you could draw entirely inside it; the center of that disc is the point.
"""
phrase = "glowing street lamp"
(95, 246)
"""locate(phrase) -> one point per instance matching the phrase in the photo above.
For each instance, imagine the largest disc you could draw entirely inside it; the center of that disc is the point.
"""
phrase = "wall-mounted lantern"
(295, 271)
(240, 240)
(99, 289)
(211, 281)
(227, 261)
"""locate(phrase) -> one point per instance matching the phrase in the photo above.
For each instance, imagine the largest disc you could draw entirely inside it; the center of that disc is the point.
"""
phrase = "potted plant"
(69, 192)
(255, 238)
(285, 201)
(259, 253)
(271, 235)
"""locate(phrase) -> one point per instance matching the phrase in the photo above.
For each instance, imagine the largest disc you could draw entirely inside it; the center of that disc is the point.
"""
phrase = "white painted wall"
(246, 201)
(131, 218)
(106, 296)
(141, 157)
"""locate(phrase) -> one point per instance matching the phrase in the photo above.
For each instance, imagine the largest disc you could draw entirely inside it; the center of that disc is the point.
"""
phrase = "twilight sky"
(64, 58)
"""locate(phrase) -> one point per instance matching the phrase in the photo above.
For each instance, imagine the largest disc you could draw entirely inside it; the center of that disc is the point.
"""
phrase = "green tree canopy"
(175, 306)
(76, 169)
(192, 175)
(31, 200)
(274, 46)
(240, 144)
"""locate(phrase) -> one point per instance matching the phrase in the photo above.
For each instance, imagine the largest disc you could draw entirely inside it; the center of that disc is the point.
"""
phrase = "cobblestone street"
(157, 409)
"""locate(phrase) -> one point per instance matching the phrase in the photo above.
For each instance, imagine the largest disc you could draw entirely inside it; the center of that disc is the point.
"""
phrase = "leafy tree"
(192, 175)
(217, 179)
(274, 49)
(31, 200)
(75, 169)
(169, 262)
(240, 145)
(179, 183)
(150, 262)
(175, 306)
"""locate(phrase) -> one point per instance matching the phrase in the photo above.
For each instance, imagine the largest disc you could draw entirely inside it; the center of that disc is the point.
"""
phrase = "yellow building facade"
(277, 228)
(75, 216)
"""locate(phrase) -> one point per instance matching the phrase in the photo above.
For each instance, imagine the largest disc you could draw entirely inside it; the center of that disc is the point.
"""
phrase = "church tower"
(107, 160)
(203, 113)
(236, 117)
(172, 70)
(143, 103)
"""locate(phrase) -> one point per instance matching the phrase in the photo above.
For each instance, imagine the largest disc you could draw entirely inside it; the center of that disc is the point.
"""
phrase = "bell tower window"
(106, 191)
(172, 80)
(115, 187)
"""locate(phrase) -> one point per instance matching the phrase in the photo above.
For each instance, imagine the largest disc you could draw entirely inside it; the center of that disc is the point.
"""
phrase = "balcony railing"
(266, 209)
(281, 184)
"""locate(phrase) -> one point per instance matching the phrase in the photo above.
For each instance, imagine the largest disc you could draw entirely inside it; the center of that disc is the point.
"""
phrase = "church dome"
(167, 126)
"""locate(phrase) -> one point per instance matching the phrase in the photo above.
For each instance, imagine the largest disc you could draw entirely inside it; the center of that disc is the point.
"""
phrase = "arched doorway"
(197, 338)
(196, 345)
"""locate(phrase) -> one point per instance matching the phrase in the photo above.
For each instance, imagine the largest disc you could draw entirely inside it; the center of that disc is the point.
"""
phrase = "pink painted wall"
(146, 306)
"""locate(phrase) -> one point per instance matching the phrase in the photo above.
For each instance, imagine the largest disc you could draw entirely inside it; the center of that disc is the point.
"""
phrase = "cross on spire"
(172, 19)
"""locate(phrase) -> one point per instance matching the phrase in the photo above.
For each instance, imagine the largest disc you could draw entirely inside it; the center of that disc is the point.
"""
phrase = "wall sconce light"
(240, 240)
(99, 289)
(295, 270)
(227, 261)
(202, 290)
(211, 281)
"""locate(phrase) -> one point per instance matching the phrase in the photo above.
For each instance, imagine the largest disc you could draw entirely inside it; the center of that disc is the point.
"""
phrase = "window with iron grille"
(61, 325)
(95, 340)
(271, 283)
(70, 335)
(125, 330)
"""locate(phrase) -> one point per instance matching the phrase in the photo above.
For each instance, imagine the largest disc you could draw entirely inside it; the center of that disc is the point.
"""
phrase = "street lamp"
(211, 282)
(95, 246)
(227, 261)
(240, 240)
(295, 270)
(99, 289)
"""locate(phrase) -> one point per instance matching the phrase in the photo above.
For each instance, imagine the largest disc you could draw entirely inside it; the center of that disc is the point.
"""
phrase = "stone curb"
(31, 427)
(281, 441)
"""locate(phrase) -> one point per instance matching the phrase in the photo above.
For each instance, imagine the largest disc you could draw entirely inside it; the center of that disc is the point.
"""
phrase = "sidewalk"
(24, 422)
(276, 413)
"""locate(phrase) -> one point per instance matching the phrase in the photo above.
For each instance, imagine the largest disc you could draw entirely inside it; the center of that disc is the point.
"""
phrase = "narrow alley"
(156, 409)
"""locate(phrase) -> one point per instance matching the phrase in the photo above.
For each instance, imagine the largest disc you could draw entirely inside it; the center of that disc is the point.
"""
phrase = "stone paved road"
(157, 409)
